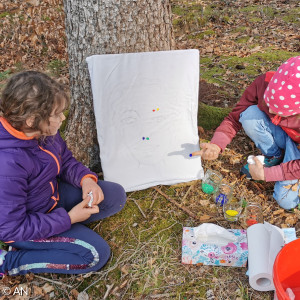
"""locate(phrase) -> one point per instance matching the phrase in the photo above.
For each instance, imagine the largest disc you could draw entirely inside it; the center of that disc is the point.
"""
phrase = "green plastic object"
(207, 188)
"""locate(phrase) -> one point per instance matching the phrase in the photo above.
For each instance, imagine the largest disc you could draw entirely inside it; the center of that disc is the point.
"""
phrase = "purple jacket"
(28, 184)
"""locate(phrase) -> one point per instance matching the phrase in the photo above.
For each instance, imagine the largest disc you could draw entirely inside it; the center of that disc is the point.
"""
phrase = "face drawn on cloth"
(146, 119)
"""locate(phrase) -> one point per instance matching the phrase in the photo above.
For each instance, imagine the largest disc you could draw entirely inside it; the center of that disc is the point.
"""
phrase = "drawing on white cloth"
(146, 116)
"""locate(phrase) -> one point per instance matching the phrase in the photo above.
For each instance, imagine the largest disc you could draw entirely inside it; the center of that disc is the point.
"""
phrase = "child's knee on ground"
(285, 197)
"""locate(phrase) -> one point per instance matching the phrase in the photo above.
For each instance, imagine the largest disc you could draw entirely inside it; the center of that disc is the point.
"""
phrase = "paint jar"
(211, 181)
(253, 214)
(232, 209)
(222, 194)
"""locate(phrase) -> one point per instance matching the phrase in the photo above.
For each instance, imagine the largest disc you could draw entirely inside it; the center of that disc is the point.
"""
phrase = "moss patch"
(210, 117)
(201, 35)
(243, 40)
(255, 20)
(293, 16)
(56, 67)
(4, 14)
(253, 65)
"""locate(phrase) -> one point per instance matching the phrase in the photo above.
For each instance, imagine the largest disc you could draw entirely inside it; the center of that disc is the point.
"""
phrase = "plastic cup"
(232, 209)
(223, 194)
(211, 181)
(253, 214)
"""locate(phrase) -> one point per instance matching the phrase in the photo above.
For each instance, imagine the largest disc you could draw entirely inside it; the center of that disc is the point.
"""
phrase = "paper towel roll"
(264, 243)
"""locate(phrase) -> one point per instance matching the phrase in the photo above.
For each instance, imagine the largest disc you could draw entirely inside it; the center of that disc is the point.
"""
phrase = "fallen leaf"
(123, 284)
(209, 49)
(34, 2)
(151, 261)
(201, 130)
(125, 269)
(291, 220)
(287, 186)
(74, 293)
(278, 211)
(235, 160)
(47, 288)
(38, 291)
(83, 296)
(205, 218)
(293, 187)
(204, 202)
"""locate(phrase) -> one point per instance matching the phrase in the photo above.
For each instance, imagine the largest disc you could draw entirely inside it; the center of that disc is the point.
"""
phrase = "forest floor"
(238, 40)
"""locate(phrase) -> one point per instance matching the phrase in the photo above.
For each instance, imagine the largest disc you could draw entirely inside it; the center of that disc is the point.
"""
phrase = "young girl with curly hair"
(46, 195)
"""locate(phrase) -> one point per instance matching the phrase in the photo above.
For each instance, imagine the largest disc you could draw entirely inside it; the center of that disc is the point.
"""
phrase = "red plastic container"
(286, 270)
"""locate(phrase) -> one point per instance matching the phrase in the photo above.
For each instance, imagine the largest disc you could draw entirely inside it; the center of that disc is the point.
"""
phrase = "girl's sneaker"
(273, 160)
(245, 171)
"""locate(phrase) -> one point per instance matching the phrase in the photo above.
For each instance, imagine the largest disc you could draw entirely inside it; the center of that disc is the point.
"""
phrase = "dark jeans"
(78, 250)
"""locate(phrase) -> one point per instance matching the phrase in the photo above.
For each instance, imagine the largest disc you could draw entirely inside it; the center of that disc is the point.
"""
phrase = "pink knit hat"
(283, 92)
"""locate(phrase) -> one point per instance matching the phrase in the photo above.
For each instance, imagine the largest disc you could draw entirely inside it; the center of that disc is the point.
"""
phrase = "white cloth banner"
(146, 116)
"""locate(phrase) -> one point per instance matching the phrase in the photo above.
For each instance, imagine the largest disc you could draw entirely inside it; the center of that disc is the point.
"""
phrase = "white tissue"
(251, 161)
(213, 234)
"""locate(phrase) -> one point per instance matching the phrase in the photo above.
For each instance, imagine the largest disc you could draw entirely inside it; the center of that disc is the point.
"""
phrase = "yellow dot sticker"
(231, 212)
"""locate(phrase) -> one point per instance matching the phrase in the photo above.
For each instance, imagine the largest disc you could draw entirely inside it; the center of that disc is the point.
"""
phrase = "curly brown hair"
(31, 94)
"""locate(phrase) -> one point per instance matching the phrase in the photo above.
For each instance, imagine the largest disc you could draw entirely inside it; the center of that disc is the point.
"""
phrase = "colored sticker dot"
(158, 109)
(143, 137)
(191, 155)
(231, 212)
(147, 138)
(153, 110)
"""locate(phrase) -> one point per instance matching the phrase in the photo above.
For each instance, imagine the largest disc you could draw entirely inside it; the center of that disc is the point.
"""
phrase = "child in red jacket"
(269, 112)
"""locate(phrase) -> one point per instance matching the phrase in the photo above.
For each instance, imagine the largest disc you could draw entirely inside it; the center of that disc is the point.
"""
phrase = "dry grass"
(146, 236)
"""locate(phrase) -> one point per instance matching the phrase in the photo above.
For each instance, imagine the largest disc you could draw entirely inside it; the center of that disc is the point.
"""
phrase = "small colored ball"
(251, 222)
(231, 212)
(207, 188)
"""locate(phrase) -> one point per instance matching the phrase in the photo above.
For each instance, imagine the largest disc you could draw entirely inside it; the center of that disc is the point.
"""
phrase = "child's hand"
(89, 185)
(82, 212)
(208, 151)
(257, 170)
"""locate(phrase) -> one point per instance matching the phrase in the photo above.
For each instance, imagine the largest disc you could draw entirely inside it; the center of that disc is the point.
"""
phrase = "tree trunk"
(103, 27)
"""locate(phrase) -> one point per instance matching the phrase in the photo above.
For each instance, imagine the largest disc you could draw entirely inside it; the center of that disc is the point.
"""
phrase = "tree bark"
(104, 27)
